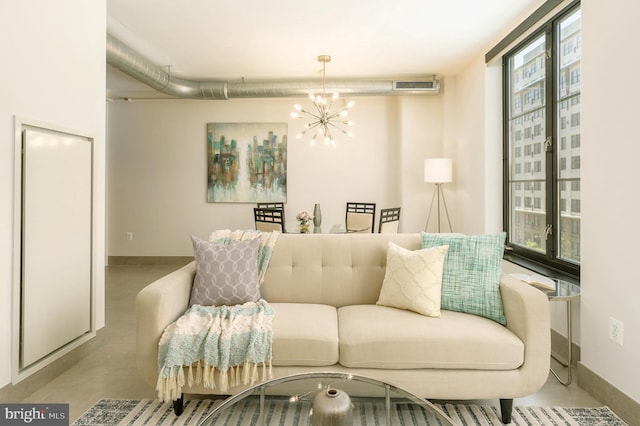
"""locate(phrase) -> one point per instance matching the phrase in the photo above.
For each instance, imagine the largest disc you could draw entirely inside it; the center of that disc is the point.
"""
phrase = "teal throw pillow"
(471, 274)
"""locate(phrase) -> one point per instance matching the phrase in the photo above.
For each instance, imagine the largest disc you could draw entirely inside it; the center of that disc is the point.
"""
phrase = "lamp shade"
(438, 170)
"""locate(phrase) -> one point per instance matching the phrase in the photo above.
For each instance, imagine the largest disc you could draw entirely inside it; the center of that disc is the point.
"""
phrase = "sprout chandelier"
(323, 119)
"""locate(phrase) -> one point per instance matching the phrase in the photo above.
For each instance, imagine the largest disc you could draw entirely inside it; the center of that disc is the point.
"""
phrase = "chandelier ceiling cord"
(323, 119)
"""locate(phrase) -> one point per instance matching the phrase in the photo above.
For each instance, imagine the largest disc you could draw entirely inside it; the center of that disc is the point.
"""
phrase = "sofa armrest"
(158, 305)
(527, 312)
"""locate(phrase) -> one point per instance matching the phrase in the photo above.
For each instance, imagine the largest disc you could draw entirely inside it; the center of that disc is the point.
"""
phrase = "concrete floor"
(110, 372)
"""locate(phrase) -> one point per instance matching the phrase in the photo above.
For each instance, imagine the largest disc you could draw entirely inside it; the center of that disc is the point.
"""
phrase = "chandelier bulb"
(351, 104)
(297, 107)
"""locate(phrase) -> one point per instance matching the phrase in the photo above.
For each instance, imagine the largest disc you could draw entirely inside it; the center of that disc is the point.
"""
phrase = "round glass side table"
(565, 292)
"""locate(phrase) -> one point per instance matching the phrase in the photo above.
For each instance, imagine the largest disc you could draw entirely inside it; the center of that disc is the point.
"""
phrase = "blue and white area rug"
(128, 412)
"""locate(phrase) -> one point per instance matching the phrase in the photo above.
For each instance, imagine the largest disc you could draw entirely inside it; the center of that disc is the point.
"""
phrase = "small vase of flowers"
(304, 219)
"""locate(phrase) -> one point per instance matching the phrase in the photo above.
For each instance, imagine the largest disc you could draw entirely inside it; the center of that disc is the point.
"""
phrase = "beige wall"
(157, 167)
(610, 176)
(52, 72)
(477, 165)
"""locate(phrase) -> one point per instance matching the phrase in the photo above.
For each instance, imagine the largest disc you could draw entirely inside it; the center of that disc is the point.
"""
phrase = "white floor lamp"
(438, 171)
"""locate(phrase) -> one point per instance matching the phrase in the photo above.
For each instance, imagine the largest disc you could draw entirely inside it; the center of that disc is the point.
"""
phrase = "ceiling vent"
(417, 86)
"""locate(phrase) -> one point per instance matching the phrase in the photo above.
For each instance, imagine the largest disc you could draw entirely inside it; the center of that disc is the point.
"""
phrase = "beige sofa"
(324, 288)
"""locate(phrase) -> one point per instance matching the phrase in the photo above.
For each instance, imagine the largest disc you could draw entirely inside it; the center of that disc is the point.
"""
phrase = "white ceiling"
(280, 39)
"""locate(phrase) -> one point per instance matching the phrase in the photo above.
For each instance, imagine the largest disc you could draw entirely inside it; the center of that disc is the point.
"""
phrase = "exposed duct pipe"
(137, 66)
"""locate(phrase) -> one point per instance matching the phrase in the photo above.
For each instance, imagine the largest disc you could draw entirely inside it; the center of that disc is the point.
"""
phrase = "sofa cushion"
(225, 274)
(471, 276)
(304, 334)
(413, 279)
(373, 336)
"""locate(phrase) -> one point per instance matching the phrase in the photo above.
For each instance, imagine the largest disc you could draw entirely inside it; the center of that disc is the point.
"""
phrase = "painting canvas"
(246, 162)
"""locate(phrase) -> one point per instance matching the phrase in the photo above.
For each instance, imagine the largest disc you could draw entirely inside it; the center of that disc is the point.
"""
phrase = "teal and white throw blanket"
(225, 345)
(267, 242)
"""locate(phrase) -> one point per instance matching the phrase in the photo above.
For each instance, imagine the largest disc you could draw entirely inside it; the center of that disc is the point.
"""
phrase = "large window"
(542, 121)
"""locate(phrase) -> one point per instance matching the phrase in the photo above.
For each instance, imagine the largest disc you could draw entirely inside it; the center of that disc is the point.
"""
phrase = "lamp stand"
(440, 196)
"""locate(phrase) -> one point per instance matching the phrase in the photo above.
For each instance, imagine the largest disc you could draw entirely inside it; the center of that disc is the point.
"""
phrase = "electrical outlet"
(129, 236)
(616, 330)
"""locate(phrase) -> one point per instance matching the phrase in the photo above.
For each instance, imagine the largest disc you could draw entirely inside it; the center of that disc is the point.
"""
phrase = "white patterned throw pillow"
(413, 279)
(226, 274)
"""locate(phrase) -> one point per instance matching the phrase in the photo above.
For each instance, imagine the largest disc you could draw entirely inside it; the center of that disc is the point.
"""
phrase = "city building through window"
(542, 121)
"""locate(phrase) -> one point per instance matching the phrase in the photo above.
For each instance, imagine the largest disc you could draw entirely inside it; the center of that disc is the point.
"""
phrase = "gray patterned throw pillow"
(226, 274)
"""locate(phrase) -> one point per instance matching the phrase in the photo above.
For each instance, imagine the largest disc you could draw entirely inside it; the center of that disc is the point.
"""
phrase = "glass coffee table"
(289, 401)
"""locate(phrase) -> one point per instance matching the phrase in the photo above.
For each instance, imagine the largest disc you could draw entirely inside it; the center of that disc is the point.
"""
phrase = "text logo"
(34, 414)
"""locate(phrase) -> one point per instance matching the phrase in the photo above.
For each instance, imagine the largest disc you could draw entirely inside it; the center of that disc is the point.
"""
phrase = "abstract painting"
(246, 162)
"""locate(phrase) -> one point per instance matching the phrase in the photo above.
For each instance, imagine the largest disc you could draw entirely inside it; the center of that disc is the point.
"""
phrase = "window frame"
(548, 261)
